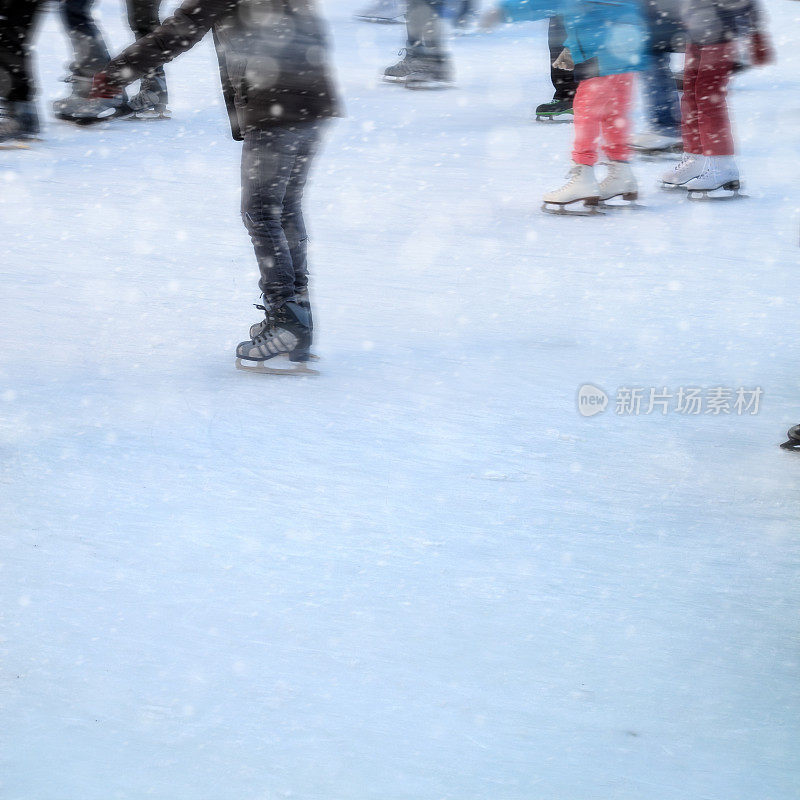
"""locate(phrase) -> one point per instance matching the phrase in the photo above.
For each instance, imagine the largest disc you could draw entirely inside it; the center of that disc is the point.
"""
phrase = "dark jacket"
(717, 21)
(667, 33)
(272, 56)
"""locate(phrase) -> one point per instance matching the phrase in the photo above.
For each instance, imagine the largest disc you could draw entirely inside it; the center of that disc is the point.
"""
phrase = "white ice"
(422, 575)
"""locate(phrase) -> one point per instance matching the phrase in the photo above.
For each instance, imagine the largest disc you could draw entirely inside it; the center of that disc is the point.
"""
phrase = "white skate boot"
(690, 166)
(654, 144)
(719, 172)
(620, 182)
(581, 187)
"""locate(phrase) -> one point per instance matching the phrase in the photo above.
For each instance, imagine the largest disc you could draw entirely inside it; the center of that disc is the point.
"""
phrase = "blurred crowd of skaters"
(279, 93)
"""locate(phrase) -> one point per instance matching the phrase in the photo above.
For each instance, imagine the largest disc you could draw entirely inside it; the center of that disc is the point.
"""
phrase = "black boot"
(19, 122)
(555, 108)
(286, 331)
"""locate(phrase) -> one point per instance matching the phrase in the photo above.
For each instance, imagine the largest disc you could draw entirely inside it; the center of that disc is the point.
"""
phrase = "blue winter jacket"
(605, 37)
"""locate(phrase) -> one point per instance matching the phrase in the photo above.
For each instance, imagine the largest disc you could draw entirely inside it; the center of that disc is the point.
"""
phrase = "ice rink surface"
(422, 575)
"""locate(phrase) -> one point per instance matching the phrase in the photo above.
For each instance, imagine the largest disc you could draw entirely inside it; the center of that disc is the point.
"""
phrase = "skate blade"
(703, 195)
(148, 116)
(671, 187)
(15, 145)
(655, 152)
(380, 20)
(623, 201)
(292, 368)
(589, 209)
(646, 155)
(560, 118)
(623, 206)
(420, 85)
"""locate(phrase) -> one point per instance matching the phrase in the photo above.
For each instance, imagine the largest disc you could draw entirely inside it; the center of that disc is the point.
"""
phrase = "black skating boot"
(417, 71)
(554, 109)
(793, 442)
(283, 339)
(19, 123)
(150, 102)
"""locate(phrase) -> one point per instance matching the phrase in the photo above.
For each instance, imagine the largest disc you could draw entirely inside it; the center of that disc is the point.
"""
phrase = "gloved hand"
(761, 51)
(102, 89)
(564, 60)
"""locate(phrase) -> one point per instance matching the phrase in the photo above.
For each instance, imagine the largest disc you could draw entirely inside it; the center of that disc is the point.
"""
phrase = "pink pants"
(602, 105)
(706, 127)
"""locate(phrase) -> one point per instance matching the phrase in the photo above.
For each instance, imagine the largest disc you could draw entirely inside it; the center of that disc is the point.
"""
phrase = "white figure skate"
(619, 182)
(690, 166)
(719, 172)
(580, 188)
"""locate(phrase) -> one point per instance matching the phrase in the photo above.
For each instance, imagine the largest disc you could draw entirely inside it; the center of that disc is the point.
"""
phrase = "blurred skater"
(605, 45)
(563, 80)
(19, 120)
(666, 35)
(278, 91)
(89, 55)
(426, 63)
(712, 27)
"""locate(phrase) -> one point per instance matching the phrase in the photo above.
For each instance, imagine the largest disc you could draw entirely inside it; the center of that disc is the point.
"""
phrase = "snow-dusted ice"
(422, 575)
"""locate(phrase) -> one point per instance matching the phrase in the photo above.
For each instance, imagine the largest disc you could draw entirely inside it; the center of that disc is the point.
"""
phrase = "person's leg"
(143, 19)
(661, 96)
(588, 106)
(16, 28)
(424, 29)
(90, 53)
(711, 88)
(268, 160)
(564, 83)
(690, 124)
(292, 220)
(616, 115)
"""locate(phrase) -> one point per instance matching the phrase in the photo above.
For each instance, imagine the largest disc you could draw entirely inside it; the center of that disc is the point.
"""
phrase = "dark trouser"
(661, 95)
(16, 31)
(90, 53)
(275, 164)
(424, 28)
(563, 79)
(143, 19)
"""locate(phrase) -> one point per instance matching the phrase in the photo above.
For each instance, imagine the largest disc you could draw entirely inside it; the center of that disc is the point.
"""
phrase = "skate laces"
(143, 99)
(269, 323)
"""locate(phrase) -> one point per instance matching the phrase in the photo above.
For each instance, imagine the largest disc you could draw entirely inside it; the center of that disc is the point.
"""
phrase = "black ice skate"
(420, 72)
(149, 103)
(283, 339)
(555, 110)
(19, 124)
(794, 439)
(431, 72)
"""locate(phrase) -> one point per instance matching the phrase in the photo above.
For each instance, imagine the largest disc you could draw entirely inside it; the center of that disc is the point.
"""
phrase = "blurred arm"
(177, 34)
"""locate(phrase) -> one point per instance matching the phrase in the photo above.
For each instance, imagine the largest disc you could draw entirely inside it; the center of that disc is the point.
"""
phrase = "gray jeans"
(275, 164)
(424, 29)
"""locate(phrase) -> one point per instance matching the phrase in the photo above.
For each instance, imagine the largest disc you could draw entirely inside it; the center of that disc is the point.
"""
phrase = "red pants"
(706, 127)
(602, 105)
